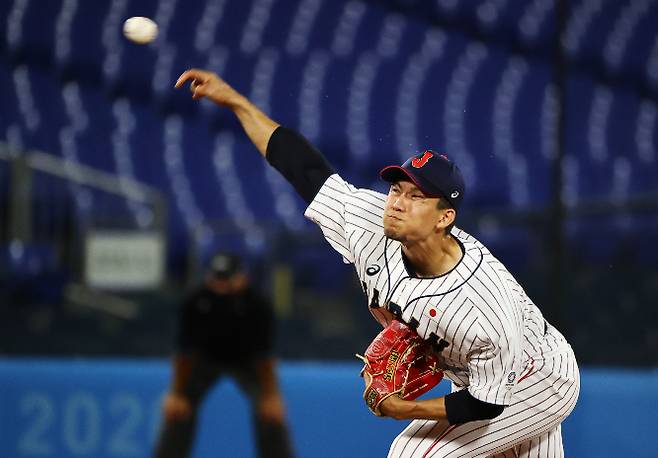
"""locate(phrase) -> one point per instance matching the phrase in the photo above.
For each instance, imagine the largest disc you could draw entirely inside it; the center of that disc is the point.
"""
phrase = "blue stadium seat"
(82, 58)
(198, 152)
(94, 143)
(29, 36)
(28, 259)
(9, 115)
(45, 92)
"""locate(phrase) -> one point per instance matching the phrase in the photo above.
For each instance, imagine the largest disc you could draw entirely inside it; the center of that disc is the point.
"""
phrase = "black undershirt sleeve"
(298, 161)
(462, 407)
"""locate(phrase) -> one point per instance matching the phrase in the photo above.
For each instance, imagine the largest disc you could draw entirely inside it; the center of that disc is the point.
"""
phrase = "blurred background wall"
(115, 189)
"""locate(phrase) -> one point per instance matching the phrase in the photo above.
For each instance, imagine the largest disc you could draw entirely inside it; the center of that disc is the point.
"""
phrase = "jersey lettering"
(437, 343)
(395, 309)
(374, 302)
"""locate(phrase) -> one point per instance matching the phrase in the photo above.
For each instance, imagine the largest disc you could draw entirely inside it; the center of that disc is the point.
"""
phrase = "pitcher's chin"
(392, 233)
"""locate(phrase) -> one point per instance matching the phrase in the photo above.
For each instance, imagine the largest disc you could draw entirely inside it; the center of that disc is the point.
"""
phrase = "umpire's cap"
(434, 174)
(225, 265)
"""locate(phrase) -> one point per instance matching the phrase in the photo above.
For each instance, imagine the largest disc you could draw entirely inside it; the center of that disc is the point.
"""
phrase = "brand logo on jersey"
(373, 270)
(421, 161)
(390, 366)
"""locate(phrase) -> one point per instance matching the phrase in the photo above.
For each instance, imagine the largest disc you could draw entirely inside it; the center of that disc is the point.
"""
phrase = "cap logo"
(454, 194)
(421, 161)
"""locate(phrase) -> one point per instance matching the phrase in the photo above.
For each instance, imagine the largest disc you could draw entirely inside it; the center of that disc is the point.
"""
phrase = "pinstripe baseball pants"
(530, 426)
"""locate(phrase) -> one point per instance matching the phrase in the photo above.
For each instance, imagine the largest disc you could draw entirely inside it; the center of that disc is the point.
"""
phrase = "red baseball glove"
(398, 362)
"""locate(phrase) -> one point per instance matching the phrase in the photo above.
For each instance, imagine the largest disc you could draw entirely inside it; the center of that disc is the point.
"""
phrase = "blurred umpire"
(225, 329)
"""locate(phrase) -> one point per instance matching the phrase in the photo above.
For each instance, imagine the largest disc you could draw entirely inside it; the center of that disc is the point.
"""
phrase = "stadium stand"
(369, 82)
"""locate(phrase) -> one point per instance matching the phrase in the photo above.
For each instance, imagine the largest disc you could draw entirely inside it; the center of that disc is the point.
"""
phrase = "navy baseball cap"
(434, 174)
(225, 265)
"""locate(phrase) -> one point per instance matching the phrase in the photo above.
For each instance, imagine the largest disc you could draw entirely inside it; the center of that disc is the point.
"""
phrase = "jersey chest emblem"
(432, 312)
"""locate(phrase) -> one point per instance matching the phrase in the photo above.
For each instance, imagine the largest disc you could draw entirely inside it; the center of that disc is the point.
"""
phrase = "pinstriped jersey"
(477, 317)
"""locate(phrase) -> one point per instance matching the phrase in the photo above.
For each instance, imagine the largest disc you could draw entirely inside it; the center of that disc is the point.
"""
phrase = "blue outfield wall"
(110, 408)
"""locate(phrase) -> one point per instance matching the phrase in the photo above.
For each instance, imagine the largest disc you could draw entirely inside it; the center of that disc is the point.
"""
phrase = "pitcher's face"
(410, 216)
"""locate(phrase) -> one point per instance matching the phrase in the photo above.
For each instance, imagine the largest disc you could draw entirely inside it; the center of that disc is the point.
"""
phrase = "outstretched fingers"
(191, 74)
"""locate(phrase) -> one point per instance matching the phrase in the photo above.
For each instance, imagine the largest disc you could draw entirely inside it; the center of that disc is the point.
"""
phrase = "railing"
(23, 167)
(69, 229)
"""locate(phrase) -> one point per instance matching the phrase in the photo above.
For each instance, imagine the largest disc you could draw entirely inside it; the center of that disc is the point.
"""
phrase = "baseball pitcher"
(449, 308)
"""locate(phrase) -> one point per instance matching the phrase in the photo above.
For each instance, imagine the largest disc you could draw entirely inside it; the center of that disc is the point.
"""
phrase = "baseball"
(140, 30)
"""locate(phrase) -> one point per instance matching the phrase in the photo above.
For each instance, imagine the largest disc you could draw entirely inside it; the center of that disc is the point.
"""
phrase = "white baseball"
(140, 30)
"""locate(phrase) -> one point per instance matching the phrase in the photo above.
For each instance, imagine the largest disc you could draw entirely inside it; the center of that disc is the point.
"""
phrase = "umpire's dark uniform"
(226, 328)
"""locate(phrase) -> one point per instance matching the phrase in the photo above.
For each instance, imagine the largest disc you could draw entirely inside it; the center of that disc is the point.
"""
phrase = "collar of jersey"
(412, 273)
(469, 250)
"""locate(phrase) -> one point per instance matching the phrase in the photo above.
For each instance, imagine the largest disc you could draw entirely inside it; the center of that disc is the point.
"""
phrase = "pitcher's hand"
(208, 84)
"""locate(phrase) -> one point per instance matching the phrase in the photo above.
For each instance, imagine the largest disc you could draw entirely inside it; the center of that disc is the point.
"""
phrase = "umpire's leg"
(176, 436)
(268, 417)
